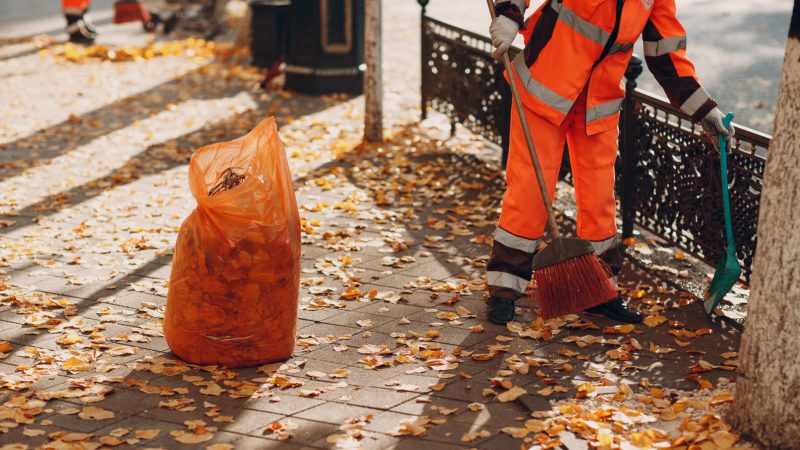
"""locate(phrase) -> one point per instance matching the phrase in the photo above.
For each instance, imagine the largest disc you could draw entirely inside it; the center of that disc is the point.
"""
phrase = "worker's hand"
(713, 126)
(503, 31)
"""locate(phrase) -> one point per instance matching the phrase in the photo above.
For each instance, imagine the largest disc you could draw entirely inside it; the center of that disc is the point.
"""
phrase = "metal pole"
(373, 78)
(423, 58)
(628, 151)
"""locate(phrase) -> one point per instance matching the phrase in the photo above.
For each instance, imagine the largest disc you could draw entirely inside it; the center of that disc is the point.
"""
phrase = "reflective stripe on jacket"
(564, 40)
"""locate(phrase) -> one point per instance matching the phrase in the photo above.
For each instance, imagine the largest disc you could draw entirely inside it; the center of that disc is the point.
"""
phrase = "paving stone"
(75, 423)
(335, 413)
(370, 441)
(287, 405)
(17, 436)
(313, 252)
(325, 329)
(395, 281)
(423, 405)
(503, 440)
(370, 397)
(134, 299)
(494, 414)
(387, 309)
(350, 319)
(327, 353)
(246, 421)
(464, 390)
(320, 315)
(451, 432)
(435, 270)
(306, 432)
(413, 443)
(221, 437)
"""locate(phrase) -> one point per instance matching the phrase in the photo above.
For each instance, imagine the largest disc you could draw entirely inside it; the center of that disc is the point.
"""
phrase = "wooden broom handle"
(551, 221)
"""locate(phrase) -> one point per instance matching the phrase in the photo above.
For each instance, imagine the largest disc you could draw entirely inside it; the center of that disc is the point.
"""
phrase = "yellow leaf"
(724, 439)
(655, 320)
(75, 365)
(69, 339)
(658, 349)
(511, 394)
(212, 389)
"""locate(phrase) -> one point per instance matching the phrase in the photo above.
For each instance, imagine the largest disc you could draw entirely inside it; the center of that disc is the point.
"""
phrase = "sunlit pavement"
(393, 347)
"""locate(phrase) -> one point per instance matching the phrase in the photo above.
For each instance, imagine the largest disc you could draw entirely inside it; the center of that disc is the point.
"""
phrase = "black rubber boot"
(78, 31)
(501, 310)
(618, 310)
(87, 22)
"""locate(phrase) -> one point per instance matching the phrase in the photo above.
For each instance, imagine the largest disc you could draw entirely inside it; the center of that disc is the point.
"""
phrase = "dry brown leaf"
(220, 447)
(95, 413)
(511, 394)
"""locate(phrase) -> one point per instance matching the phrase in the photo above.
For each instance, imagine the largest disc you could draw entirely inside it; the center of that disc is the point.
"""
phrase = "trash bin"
(326, 47)
(269, 31)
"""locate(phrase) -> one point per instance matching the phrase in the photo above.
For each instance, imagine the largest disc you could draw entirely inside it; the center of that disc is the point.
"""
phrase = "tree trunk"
(767, 401)
(373, 79)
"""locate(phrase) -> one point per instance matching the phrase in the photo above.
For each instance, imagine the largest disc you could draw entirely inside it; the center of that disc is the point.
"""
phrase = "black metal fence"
(668, 178)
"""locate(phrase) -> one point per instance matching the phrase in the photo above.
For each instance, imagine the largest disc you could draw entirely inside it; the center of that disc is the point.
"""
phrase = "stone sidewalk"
(393, 348)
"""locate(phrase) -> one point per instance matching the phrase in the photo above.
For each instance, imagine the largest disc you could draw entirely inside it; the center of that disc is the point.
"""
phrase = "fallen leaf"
(95, 413)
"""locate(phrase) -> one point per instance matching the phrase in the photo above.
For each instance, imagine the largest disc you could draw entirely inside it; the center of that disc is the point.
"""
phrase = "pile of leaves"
(189, 47)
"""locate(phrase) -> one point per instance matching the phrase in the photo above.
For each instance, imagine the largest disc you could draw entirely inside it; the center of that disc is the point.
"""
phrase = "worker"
(79, 27)
(570, 79)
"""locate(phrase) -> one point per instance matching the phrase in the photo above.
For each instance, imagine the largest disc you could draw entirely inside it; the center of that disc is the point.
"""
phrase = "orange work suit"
(570, 77)
(74, 7)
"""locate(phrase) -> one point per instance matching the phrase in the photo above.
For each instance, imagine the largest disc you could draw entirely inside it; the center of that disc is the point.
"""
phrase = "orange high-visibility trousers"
(523, 218)
(74, 7)
(592, 159)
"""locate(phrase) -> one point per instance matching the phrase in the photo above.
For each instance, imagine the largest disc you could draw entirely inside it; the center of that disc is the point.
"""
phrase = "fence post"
(629, 150)
(423, 49)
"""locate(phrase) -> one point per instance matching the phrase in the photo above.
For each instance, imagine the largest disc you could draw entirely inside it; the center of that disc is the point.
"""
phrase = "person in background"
(79, 27)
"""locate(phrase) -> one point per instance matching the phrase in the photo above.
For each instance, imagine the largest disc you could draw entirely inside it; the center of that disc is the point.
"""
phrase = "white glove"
(712, 124)
(503, 31)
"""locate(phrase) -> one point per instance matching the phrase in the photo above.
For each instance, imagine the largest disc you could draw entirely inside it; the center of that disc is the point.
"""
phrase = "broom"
(569, 276)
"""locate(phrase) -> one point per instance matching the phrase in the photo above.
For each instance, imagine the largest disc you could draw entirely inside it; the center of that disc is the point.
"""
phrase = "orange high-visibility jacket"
(74, 7)
(564, 50)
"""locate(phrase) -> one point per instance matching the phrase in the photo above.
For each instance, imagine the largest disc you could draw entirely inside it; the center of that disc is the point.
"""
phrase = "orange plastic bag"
(235, 275)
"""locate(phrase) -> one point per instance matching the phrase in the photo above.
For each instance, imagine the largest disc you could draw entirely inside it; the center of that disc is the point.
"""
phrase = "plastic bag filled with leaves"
(235, 274)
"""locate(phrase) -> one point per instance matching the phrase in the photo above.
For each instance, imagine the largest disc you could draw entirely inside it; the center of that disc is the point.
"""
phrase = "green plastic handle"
(726, 201)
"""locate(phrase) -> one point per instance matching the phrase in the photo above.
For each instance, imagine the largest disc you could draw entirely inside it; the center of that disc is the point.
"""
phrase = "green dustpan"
(728, 270)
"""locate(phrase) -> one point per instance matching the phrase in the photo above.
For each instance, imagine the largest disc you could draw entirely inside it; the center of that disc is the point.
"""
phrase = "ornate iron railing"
(457, 76)
(667, 174)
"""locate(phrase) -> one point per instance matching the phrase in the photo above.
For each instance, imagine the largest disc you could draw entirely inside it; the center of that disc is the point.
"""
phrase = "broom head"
(571, 278)
(130, 11)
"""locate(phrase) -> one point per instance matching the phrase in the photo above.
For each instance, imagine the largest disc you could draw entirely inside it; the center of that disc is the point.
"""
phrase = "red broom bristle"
(574, 285)
(130, 12)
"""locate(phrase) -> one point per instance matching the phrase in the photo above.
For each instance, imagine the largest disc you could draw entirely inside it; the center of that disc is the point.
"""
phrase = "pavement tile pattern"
(393, 349)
